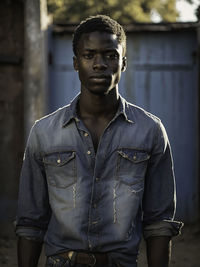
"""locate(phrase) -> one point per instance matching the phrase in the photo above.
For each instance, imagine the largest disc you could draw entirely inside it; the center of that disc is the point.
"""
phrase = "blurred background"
(37, 77)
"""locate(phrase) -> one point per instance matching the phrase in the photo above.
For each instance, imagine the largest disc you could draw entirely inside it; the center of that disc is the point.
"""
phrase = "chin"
(100, 91)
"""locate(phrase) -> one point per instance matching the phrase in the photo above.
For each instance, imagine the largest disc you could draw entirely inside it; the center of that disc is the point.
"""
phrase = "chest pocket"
(60, 168)
(131, 165)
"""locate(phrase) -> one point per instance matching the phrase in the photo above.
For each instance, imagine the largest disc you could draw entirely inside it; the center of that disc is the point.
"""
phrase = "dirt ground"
(185, 250)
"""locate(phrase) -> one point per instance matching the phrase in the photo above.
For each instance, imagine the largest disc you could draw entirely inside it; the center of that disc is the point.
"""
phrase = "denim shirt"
(75, 199)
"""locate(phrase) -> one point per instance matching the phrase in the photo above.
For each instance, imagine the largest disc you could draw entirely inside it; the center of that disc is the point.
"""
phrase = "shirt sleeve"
(33, 203)
(159, 201)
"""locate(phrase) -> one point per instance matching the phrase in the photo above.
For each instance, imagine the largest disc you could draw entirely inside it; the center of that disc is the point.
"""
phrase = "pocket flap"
(58, 158)
(134, 155)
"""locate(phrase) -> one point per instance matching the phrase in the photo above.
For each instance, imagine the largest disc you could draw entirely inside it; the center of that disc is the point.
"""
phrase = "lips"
(99, 78)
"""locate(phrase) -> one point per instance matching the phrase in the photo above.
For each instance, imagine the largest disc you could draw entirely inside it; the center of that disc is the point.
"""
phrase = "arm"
(159, 202)
(33, 205)
(158, 251)
(28, 252)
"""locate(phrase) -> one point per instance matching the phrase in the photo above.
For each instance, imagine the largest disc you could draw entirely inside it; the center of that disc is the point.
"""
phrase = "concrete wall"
(11, 107)
(23, 94)
(35, 62)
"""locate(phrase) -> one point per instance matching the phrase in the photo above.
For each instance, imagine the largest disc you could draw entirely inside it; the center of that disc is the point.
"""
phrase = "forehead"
(98, 41)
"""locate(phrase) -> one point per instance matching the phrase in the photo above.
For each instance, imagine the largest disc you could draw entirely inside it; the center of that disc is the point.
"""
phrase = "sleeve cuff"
(162, 228)
(30, 233)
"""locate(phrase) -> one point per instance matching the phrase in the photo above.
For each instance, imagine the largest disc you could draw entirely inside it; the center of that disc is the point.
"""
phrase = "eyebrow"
(106, 50)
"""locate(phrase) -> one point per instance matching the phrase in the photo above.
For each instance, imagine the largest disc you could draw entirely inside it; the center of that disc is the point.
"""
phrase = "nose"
(99, 62)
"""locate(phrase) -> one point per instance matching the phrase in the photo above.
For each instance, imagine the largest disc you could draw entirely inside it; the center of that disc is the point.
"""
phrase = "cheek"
(85, 67)
(116, 79)
(82, 72)
(117, 72)
(117, 67)
(84, 80)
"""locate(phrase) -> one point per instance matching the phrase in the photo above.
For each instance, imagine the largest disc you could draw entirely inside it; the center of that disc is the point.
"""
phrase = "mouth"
(99, 78)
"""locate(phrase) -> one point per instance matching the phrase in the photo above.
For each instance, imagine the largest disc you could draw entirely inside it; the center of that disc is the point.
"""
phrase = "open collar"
(71, 111)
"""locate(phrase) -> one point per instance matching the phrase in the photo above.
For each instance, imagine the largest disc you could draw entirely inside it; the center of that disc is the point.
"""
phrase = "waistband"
(86, 258)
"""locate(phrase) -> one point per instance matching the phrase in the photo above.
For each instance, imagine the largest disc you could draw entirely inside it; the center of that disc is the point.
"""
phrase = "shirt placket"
(95, 220)
(97, 162)
(87, 141)
(93, 217)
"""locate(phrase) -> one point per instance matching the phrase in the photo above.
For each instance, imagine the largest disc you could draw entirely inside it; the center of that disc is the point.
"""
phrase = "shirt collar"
(124, 110)
(71, 112)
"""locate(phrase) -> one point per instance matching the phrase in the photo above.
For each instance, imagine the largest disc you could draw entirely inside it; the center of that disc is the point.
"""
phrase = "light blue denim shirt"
(74, 199)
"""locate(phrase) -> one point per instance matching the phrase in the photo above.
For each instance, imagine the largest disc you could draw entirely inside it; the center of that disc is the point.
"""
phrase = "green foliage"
(124, 11)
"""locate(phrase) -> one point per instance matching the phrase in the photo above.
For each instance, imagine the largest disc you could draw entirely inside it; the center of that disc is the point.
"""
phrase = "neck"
(94, 105)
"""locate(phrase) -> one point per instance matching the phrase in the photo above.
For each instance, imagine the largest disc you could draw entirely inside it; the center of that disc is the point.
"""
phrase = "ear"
(75, 63)
(124, 63)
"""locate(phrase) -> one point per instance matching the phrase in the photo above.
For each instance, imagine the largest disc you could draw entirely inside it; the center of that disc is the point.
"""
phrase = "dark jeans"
(58, 261)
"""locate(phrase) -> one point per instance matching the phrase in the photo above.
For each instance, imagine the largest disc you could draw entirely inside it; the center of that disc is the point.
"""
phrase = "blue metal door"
(162, 78)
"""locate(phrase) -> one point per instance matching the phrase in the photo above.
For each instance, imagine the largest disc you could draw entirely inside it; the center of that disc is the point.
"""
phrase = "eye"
(112, 56)
(88, 55)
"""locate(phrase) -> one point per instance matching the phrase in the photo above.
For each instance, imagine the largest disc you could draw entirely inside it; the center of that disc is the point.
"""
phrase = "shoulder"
(149, 123)
(139, 114)
(47, 128)
(52, 120)
(145, 120)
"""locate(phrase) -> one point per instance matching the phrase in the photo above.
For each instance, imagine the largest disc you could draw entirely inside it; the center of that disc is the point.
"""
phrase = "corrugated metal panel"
(63, 80)
(162, 78)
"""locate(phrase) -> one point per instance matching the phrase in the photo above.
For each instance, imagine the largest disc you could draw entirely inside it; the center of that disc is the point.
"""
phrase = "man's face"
(99, 62)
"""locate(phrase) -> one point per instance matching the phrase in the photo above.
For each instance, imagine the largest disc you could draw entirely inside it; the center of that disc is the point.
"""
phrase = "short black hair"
(101, 23)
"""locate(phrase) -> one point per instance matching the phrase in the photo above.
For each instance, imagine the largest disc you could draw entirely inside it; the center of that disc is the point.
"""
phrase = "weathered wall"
(23, 94)
(35, 62)
(11, 107)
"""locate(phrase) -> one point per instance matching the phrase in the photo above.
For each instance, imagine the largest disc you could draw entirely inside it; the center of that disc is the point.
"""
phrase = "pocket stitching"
(119, 158)
(132, 159)
(52, 181)
(56, 163)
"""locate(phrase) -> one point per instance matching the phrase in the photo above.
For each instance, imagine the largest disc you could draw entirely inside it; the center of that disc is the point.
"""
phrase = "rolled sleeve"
(30, 233)
(162, 228)
(33, 203)
(159, 201)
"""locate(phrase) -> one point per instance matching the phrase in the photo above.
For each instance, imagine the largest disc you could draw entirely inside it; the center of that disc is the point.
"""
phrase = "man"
(97, 173)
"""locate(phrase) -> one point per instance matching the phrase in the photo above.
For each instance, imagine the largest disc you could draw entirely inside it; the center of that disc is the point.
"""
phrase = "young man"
(97, 173)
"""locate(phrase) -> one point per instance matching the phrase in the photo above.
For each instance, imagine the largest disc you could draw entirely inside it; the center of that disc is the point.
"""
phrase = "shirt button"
(88, 152)
(94, 205)
(58, 161)
(86, 134)
(134, 157)
(97, 179)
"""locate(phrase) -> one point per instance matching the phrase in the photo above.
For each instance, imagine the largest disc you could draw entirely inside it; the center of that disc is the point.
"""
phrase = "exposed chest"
(96, 128)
